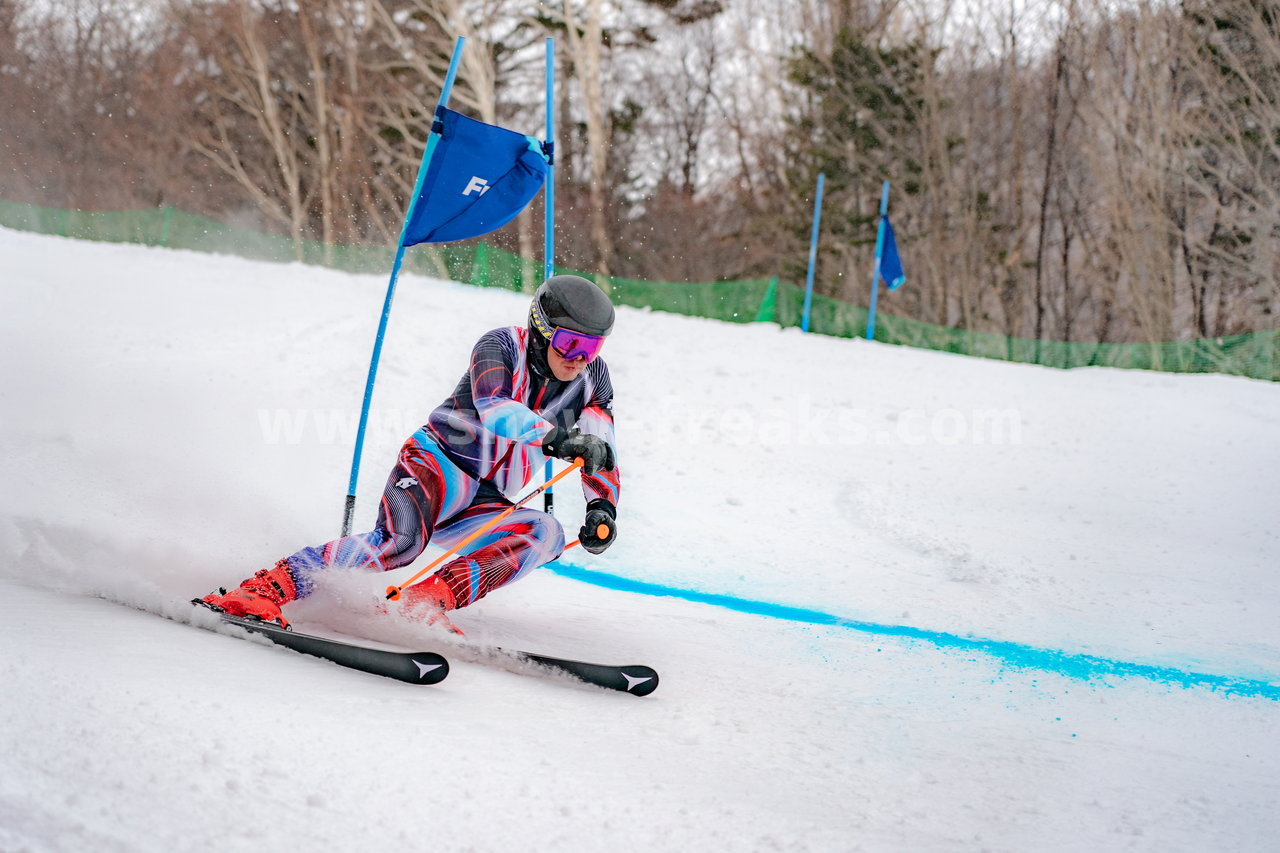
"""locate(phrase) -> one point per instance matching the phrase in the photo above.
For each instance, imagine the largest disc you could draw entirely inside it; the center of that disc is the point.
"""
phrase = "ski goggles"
(571, 345)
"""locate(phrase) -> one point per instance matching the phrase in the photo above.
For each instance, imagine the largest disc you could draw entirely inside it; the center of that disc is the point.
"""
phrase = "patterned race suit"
(480, 446)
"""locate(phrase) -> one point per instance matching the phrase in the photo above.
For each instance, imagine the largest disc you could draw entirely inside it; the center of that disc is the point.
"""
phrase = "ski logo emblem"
(476, 184)
(424, 668)
(407, 483)
(633, 682)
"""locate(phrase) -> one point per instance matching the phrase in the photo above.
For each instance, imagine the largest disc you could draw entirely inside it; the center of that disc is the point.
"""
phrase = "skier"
(530, 392)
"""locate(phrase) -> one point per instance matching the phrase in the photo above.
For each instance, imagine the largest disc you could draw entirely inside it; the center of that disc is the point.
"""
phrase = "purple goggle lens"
(573, 345)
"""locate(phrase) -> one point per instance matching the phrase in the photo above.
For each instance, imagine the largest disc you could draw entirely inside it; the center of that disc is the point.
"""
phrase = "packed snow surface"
(900, 600)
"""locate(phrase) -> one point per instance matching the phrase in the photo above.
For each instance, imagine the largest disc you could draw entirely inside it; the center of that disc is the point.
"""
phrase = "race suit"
(478, 449)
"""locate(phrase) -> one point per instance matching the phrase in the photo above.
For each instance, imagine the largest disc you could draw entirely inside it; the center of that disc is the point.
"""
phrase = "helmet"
(572, 302)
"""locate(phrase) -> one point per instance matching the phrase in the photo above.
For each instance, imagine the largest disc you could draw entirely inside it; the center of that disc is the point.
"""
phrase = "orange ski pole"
(393, 591)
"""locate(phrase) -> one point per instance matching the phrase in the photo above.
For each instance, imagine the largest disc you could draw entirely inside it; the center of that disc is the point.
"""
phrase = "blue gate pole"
(875, 272)
(813, 253)
(349, 510)
(549, 255)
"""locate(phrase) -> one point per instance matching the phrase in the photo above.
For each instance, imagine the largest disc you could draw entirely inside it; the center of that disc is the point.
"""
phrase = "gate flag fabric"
(890, 264)
(479, 178)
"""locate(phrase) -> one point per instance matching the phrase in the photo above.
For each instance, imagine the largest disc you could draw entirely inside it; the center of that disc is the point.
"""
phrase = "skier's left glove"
(600, 519)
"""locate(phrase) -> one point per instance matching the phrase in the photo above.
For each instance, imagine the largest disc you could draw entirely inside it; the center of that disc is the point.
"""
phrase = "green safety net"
(1255, 355)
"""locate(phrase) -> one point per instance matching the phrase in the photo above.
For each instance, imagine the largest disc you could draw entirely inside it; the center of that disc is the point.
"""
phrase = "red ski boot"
(428, 601)
(259, 597)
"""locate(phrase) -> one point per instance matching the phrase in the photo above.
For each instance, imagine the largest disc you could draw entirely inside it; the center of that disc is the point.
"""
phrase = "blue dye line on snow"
(1070, 664)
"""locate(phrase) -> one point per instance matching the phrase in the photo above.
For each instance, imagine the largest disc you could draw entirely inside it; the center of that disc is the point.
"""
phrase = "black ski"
(636, 679)
(410, 667)
(431, 668)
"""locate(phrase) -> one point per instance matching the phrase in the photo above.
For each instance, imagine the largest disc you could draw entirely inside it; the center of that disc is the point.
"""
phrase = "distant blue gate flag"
(890, 264)
(480, 177)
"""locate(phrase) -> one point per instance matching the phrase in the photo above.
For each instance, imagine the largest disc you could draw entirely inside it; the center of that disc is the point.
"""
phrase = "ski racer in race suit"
(529, 393)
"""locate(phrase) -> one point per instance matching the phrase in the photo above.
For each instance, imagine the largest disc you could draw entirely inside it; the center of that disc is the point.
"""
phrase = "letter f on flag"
(478, 179)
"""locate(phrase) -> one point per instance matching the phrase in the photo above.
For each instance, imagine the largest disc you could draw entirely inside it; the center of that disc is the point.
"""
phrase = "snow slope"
(994, 606)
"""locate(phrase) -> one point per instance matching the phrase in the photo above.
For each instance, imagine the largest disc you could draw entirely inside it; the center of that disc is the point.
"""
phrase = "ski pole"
(393, 591)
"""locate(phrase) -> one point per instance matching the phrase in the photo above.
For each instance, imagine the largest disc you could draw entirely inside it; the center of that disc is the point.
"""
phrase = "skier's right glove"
(596, 453)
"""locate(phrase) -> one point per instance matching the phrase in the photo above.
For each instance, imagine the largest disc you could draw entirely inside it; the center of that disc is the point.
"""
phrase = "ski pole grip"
(602, 531)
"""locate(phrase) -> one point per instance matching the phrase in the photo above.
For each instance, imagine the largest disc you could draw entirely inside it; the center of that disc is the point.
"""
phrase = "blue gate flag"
(890, 264)
(479, 178)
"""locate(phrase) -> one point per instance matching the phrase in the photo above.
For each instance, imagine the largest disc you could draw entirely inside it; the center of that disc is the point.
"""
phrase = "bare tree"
(83, 100)
(585, 35)
(1235, 182)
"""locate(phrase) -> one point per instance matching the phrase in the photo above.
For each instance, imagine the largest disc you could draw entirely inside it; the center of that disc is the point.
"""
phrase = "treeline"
(1076, 170)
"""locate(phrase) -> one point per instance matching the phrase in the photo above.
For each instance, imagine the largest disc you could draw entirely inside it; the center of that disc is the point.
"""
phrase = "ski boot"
(259, 597)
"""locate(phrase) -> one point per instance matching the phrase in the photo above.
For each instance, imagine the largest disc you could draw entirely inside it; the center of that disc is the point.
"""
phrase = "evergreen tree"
(859, 127)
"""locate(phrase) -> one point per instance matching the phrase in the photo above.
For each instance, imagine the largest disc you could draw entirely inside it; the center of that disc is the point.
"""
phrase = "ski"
(409, 667)
(432, 668)
(636, 679)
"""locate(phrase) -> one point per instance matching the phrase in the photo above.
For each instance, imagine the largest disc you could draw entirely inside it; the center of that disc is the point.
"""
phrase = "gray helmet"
(572, 302)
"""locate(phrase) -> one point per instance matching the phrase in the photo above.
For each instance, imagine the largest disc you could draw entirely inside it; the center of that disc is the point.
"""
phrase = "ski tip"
(641, 680)
(432, 668)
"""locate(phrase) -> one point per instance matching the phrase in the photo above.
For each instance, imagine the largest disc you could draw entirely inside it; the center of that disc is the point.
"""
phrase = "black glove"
(600, 514)
(596, 453)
